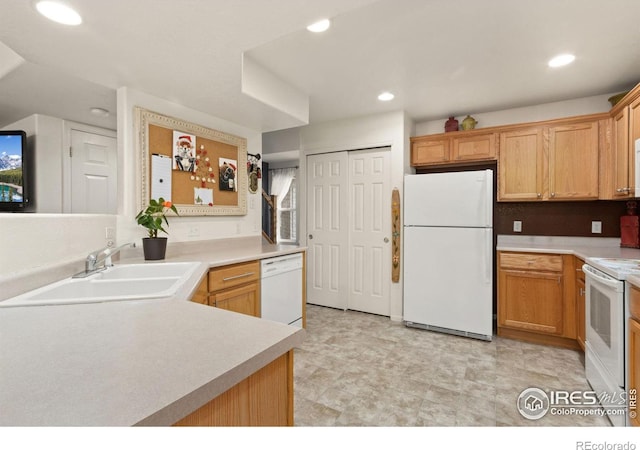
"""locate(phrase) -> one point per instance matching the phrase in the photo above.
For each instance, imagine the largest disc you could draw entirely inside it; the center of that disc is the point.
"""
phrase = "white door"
(369, 231)
(349, 228)
(327, 228)
(93, 173)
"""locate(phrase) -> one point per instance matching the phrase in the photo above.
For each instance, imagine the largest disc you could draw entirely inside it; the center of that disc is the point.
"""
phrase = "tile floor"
(357, 369)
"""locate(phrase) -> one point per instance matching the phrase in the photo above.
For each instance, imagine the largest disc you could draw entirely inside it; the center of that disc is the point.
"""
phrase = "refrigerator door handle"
(488, 182)
(487, 256)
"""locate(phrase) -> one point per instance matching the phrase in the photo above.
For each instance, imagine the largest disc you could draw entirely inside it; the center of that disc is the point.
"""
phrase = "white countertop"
(145, 362)
(582, 247)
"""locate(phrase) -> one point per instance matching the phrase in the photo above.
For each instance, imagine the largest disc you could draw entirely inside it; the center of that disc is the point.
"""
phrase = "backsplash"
(549, 218)
(560, 218)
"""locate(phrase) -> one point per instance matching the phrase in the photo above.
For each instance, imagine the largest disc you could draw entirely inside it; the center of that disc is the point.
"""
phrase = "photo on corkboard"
(202, 196)
(184, 152)
(228, 172)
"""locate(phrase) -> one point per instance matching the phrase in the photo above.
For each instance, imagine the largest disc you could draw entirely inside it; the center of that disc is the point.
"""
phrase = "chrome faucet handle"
(109, 252)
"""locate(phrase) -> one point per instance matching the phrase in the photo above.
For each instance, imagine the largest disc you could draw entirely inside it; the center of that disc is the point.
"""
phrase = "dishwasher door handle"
(248, 274)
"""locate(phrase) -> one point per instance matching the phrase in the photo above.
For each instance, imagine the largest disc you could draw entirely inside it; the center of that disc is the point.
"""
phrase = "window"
(284, 186)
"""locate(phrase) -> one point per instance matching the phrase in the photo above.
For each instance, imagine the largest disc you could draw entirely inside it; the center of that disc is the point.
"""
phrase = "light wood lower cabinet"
(235, 287)
(536, 298)
(634, 354)
(262, 399)
(581, 299)
(243, 299)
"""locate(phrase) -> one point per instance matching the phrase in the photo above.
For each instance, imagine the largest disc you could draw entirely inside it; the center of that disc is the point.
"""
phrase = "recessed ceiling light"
(59, 12)
(319, 26)
(561, 60)
(99, 112)
(385, 96)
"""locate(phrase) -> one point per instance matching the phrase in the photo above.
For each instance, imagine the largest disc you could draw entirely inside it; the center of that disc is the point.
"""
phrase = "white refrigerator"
(448, 252)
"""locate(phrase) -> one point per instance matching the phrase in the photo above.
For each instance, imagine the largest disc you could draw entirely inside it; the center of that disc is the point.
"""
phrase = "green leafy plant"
(153, 216)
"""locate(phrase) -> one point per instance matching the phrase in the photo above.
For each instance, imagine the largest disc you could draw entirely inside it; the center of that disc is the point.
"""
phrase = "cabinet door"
(634, 364)
(432, 151)
(573, 162)
(520, 165)
(621, 168)
(244, 299)
(531, 301)
(202, 292)
(580, 311)
(634, 134)
(474, 148)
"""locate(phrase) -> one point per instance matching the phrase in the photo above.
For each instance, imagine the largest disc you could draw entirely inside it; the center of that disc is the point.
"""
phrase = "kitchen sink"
(116, 283)
(152, 270)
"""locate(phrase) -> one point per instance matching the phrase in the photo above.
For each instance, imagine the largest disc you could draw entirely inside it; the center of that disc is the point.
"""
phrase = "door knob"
(311, 236)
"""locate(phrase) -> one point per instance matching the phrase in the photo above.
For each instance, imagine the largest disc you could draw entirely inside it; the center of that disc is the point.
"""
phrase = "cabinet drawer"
(531, 261)
(634, 302)
(233, 275)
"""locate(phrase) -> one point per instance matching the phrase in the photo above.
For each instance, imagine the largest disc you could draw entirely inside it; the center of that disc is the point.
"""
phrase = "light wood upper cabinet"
(474, 148)
(621, 164)
(620, 159)
(429, 151)
(520, 165)
(550, 162)
(452, 148)
(573, 161)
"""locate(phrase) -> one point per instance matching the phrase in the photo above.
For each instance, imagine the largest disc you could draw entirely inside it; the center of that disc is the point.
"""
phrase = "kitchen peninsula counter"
(147, 362)
(143, 362)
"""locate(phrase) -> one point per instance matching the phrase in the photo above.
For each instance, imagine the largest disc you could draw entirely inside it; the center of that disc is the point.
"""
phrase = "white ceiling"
(439, 57)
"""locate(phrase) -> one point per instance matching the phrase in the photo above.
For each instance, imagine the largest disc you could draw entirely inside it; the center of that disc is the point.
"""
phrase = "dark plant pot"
(154, 248)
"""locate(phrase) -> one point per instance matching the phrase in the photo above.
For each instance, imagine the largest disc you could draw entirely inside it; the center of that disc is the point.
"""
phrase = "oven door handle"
(590, 272)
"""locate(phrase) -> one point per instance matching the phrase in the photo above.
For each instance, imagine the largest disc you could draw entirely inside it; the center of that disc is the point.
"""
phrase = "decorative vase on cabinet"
(451, 125)
(469, 123)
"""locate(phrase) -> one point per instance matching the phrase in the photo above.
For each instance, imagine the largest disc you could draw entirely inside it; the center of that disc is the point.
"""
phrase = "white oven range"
(607, 313)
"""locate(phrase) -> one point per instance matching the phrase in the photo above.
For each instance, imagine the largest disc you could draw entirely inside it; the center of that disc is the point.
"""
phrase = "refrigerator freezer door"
(457, 199)
(448, 279)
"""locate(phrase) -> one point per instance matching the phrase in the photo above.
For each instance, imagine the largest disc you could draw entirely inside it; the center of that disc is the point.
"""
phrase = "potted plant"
(152, 218)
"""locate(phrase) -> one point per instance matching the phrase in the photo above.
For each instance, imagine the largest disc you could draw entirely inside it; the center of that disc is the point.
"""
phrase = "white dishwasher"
(281, 289)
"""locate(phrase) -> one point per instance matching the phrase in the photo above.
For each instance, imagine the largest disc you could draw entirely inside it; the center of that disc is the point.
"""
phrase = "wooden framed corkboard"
(215, 155)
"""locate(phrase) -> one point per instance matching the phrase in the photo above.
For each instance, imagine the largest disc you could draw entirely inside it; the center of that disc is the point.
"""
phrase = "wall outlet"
(596, 226)
(110, 233)
(517, 226)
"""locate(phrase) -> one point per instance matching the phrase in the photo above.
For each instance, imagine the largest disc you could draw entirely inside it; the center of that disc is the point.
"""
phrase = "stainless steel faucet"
(91, 263)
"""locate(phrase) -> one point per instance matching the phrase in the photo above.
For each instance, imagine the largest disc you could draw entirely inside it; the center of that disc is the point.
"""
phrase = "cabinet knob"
(623, 190)
(539, 195)
(553, 194)
(386, 240)
(311, 236)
